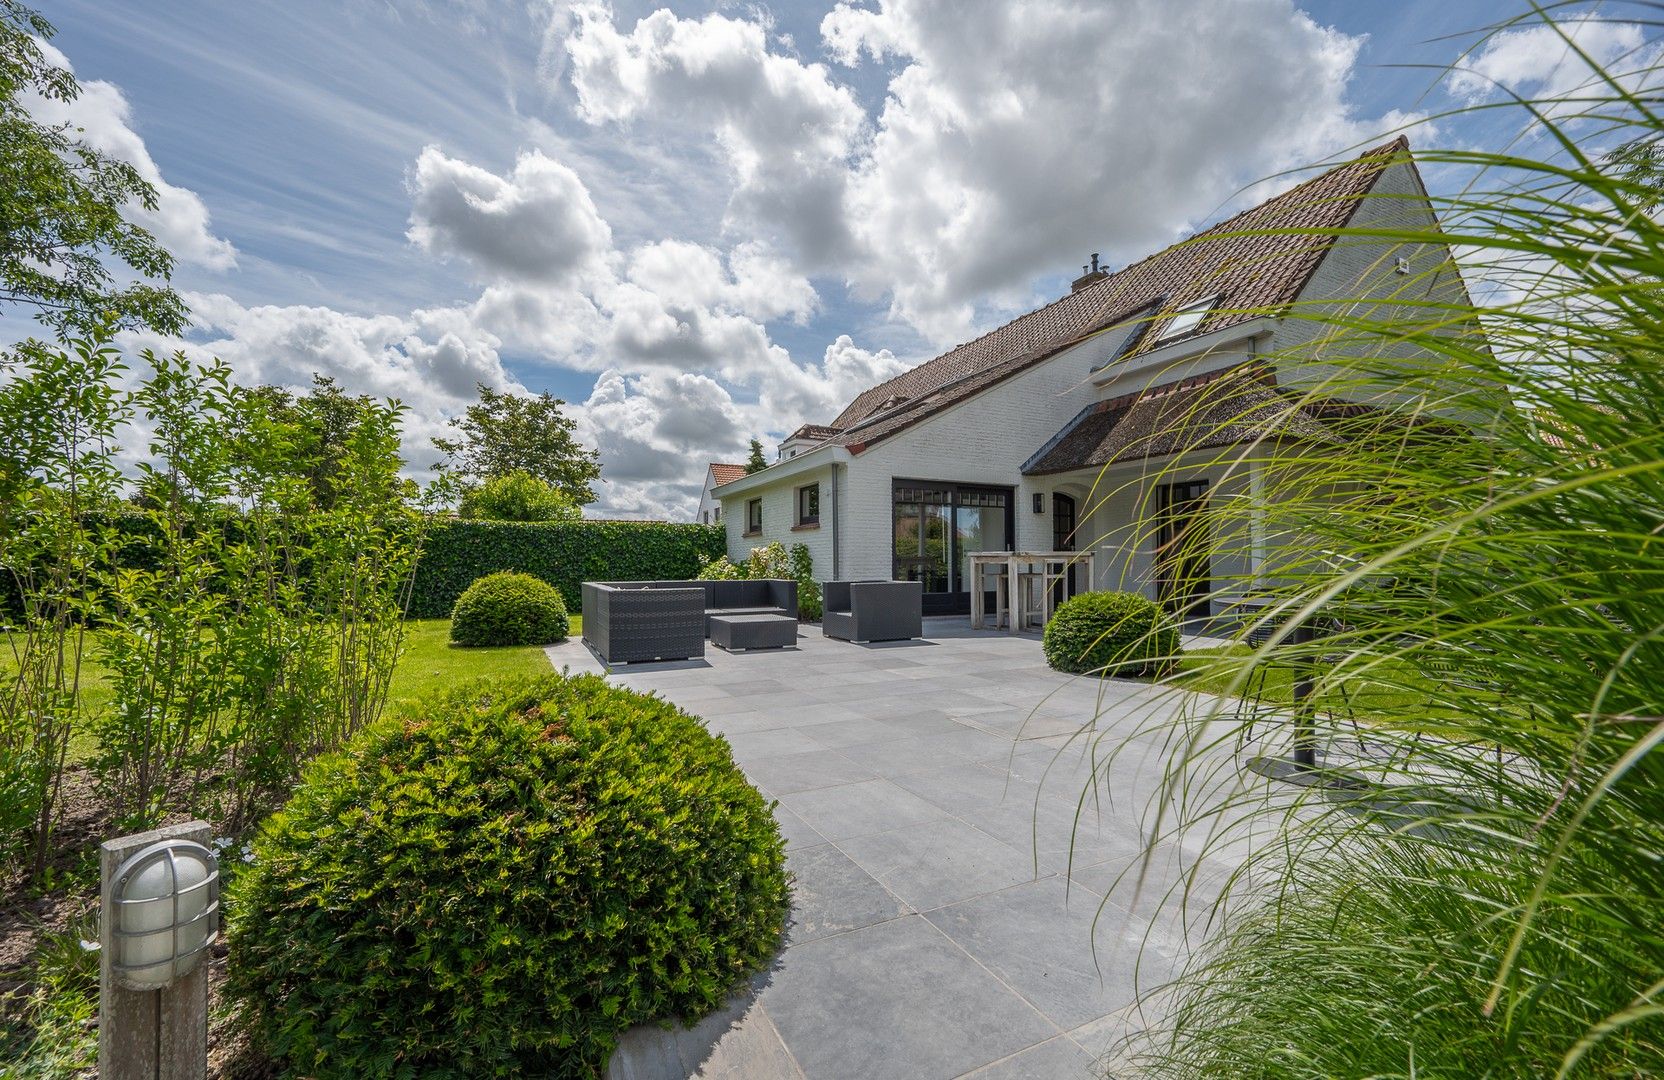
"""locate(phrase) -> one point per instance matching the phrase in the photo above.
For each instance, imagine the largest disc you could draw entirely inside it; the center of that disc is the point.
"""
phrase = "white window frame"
(1187, 318)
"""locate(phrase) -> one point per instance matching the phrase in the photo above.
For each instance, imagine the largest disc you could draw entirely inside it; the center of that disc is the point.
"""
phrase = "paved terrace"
(929, 794)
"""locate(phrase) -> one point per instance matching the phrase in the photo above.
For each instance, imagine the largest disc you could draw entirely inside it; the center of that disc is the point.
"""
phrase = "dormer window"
(1187, 319)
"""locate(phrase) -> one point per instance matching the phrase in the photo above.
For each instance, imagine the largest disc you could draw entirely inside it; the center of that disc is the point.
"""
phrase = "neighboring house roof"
(724, 473)
(1222, 408)
(1254, 261)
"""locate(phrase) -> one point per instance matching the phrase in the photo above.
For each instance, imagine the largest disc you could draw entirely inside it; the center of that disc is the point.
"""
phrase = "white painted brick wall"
(779, 517)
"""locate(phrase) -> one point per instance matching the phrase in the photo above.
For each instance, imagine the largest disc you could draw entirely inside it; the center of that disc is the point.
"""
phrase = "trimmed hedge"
(501, 881)
(507, 608)
(1110, 633)
(563, 553)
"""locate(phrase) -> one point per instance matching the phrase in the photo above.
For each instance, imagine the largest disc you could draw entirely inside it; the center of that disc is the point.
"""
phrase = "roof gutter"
(1189, 348)
(808, 461)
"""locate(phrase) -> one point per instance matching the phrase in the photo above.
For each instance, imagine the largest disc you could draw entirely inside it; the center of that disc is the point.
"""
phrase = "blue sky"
(712, 221)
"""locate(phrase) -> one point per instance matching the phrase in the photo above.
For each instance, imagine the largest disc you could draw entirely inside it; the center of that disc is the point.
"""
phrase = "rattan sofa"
(761, 596)
(631, 621)
(873, 610)
(627, 622)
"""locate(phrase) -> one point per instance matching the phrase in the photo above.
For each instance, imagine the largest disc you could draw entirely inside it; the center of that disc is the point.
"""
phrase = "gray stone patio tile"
(1016, 722)
(1057, 1059)
(738, 1041)
(895, 706)
(924, 722)
(794, 830)
(743, 687)
(700, 696)
(1177, 893)
(783, 701)
(750, 745)
(831, 895)
(733, 722)
(574, 656)
(854, 732)
(894, 1001)
(1071, 960)
(782, 774)
(856, 809)
(1112, 1041)
(1052, 830)
(939, 862)
(917, 752)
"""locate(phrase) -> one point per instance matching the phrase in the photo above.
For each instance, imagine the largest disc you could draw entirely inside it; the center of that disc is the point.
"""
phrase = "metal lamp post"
(158, 918)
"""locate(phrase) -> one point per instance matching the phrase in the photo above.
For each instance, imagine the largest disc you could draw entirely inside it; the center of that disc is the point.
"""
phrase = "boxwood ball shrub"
(509, 609)
(1114, 633)
(499, 882)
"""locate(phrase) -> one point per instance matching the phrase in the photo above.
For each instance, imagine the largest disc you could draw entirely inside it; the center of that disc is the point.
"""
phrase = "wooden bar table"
(1008, 593)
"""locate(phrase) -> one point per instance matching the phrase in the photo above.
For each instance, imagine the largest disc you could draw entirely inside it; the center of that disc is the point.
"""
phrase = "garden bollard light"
(158, 917)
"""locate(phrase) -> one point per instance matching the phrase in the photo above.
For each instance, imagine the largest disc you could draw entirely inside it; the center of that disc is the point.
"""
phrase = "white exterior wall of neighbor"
(780, 519)
(709, 504)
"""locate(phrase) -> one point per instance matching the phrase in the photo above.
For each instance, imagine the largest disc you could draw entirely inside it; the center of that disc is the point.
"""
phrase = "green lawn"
(430, 662)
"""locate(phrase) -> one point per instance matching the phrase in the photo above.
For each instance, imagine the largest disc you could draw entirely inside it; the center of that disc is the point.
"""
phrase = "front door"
(1063, 539)
(1184, 572)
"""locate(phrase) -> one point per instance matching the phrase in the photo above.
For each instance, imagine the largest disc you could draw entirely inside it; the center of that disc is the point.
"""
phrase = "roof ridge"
(1108, 287)
(1401, 142)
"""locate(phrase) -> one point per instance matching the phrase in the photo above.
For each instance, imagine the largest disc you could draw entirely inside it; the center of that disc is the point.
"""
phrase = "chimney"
(1089, 275)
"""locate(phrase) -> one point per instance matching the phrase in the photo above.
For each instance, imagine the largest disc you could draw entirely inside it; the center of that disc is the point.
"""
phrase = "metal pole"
(1305, 727)
(148, 1034)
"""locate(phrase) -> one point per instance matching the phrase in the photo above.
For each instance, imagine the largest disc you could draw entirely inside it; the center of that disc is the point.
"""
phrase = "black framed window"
(808, 504)
(754, 515)
(937, 526)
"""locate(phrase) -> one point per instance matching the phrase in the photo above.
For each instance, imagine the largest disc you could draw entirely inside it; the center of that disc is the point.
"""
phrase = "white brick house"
(1037, 435)
(716, 474)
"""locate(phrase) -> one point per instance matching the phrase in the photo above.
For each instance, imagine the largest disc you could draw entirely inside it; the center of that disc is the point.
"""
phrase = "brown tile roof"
(1221, 408)
(1256, 260)
(724, 473)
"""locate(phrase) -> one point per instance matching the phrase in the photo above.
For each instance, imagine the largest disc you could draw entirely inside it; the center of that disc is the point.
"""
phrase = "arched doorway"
(1064, 529)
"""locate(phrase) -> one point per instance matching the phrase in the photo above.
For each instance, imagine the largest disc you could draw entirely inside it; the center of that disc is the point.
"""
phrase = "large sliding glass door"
(937, 526)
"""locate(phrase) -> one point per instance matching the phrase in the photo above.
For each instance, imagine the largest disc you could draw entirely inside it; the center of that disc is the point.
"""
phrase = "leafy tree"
(504, 433)
(518, 496)
(61, 226)
(756, 462)
(320, 427)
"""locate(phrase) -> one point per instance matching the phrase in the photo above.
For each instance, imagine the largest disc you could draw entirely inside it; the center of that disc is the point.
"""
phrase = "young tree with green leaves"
(504, 433)
(755, 462)
(518, 496)
(321, 425)
(65, 248)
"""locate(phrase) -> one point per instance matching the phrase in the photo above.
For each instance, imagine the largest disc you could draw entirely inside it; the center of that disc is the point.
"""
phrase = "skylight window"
(1187, 318)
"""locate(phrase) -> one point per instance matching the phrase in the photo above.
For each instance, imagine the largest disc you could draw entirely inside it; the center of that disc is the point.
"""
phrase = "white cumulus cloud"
(536, 223)
(1011, 139)
(105, 121)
